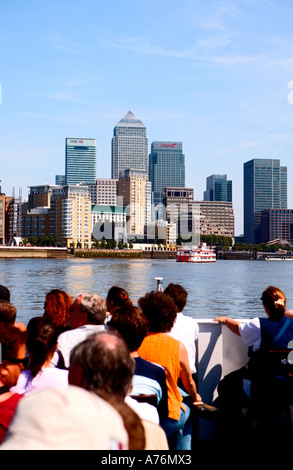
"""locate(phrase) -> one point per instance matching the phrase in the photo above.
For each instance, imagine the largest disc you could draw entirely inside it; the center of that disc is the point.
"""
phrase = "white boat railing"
(219, 351)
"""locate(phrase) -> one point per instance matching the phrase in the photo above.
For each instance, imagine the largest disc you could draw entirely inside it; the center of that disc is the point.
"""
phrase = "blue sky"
(214, 74)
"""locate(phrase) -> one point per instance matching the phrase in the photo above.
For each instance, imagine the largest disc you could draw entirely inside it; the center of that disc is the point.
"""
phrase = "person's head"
(12, 354)
(87, 309)
(7, 312)
(178, 294)
(274, 301)
(4, 293)
(57, 307)
(117, 297)
(102, 364)
(131, 323)
(160, 310)
(41, 343)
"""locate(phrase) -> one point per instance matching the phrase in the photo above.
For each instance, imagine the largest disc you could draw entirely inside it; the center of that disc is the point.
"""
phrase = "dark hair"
(274, 300)
(106, 365)
(4, 293)
(10, 339)
(178, 294)
(160, 310)
(117, 297)
(57, 306)
(7, 312)
(131, 323)
(42, 338)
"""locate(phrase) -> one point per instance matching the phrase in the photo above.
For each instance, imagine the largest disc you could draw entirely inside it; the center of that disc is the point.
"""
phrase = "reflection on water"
(230, 288)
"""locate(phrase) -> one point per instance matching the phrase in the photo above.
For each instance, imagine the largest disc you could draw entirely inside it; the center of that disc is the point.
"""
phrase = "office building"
(182, 210)
(218, 188)
(129, 146)
(166, 166)
(265, 187)
(216, 218)
(80, 161)
(60, 180)
(134, 191)
(276, 224)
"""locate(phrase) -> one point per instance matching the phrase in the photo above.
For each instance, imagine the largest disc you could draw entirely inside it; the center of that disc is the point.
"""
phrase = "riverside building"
(71, 215)
(2, 216)
(134, 191)
(109, 222)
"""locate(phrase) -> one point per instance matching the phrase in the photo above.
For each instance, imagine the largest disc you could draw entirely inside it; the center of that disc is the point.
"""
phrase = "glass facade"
(166, 166)
(218, 188)
(80, 161)
(129, 146)
(265, 187)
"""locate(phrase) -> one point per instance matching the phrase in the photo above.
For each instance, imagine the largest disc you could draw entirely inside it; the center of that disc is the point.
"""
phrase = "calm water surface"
(231, 288)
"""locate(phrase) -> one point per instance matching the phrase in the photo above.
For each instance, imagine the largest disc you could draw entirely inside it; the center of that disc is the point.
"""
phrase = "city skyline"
(222, 85)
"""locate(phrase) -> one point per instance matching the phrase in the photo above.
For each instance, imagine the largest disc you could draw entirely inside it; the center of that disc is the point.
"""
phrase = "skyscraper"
(129, 146)
(80, 161)
(166, 166)
(218, 188)
(265, 187)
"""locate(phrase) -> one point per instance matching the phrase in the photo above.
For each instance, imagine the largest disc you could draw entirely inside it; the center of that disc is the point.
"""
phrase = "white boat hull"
(202, 254)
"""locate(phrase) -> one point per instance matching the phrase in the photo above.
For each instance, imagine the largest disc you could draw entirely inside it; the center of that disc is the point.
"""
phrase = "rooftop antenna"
(159, 283)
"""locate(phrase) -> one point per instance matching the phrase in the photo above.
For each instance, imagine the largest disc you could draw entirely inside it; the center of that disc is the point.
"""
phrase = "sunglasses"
(21, 361)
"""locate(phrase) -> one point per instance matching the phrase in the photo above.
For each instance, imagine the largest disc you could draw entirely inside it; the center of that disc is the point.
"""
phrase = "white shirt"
(71, 338)
(185, 330)
(47, 377)
(145, 411)
(250, 333)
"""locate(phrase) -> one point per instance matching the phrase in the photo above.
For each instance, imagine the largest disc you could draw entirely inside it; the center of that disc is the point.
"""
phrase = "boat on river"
(201, 254)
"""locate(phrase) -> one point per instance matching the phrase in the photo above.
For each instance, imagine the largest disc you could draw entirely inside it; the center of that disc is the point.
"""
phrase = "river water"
(231, 288)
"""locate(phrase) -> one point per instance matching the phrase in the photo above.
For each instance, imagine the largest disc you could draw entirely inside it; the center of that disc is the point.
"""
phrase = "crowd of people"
(94, 373)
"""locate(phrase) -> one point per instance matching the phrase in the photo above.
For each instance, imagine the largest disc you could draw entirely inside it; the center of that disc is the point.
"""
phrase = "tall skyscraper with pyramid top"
(129, 146)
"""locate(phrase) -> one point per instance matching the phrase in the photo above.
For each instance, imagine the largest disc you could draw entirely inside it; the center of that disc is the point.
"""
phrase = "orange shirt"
(162, 349)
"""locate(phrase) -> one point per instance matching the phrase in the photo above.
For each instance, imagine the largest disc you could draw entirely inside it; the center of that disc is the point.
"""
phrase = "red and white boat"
(201, 254)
